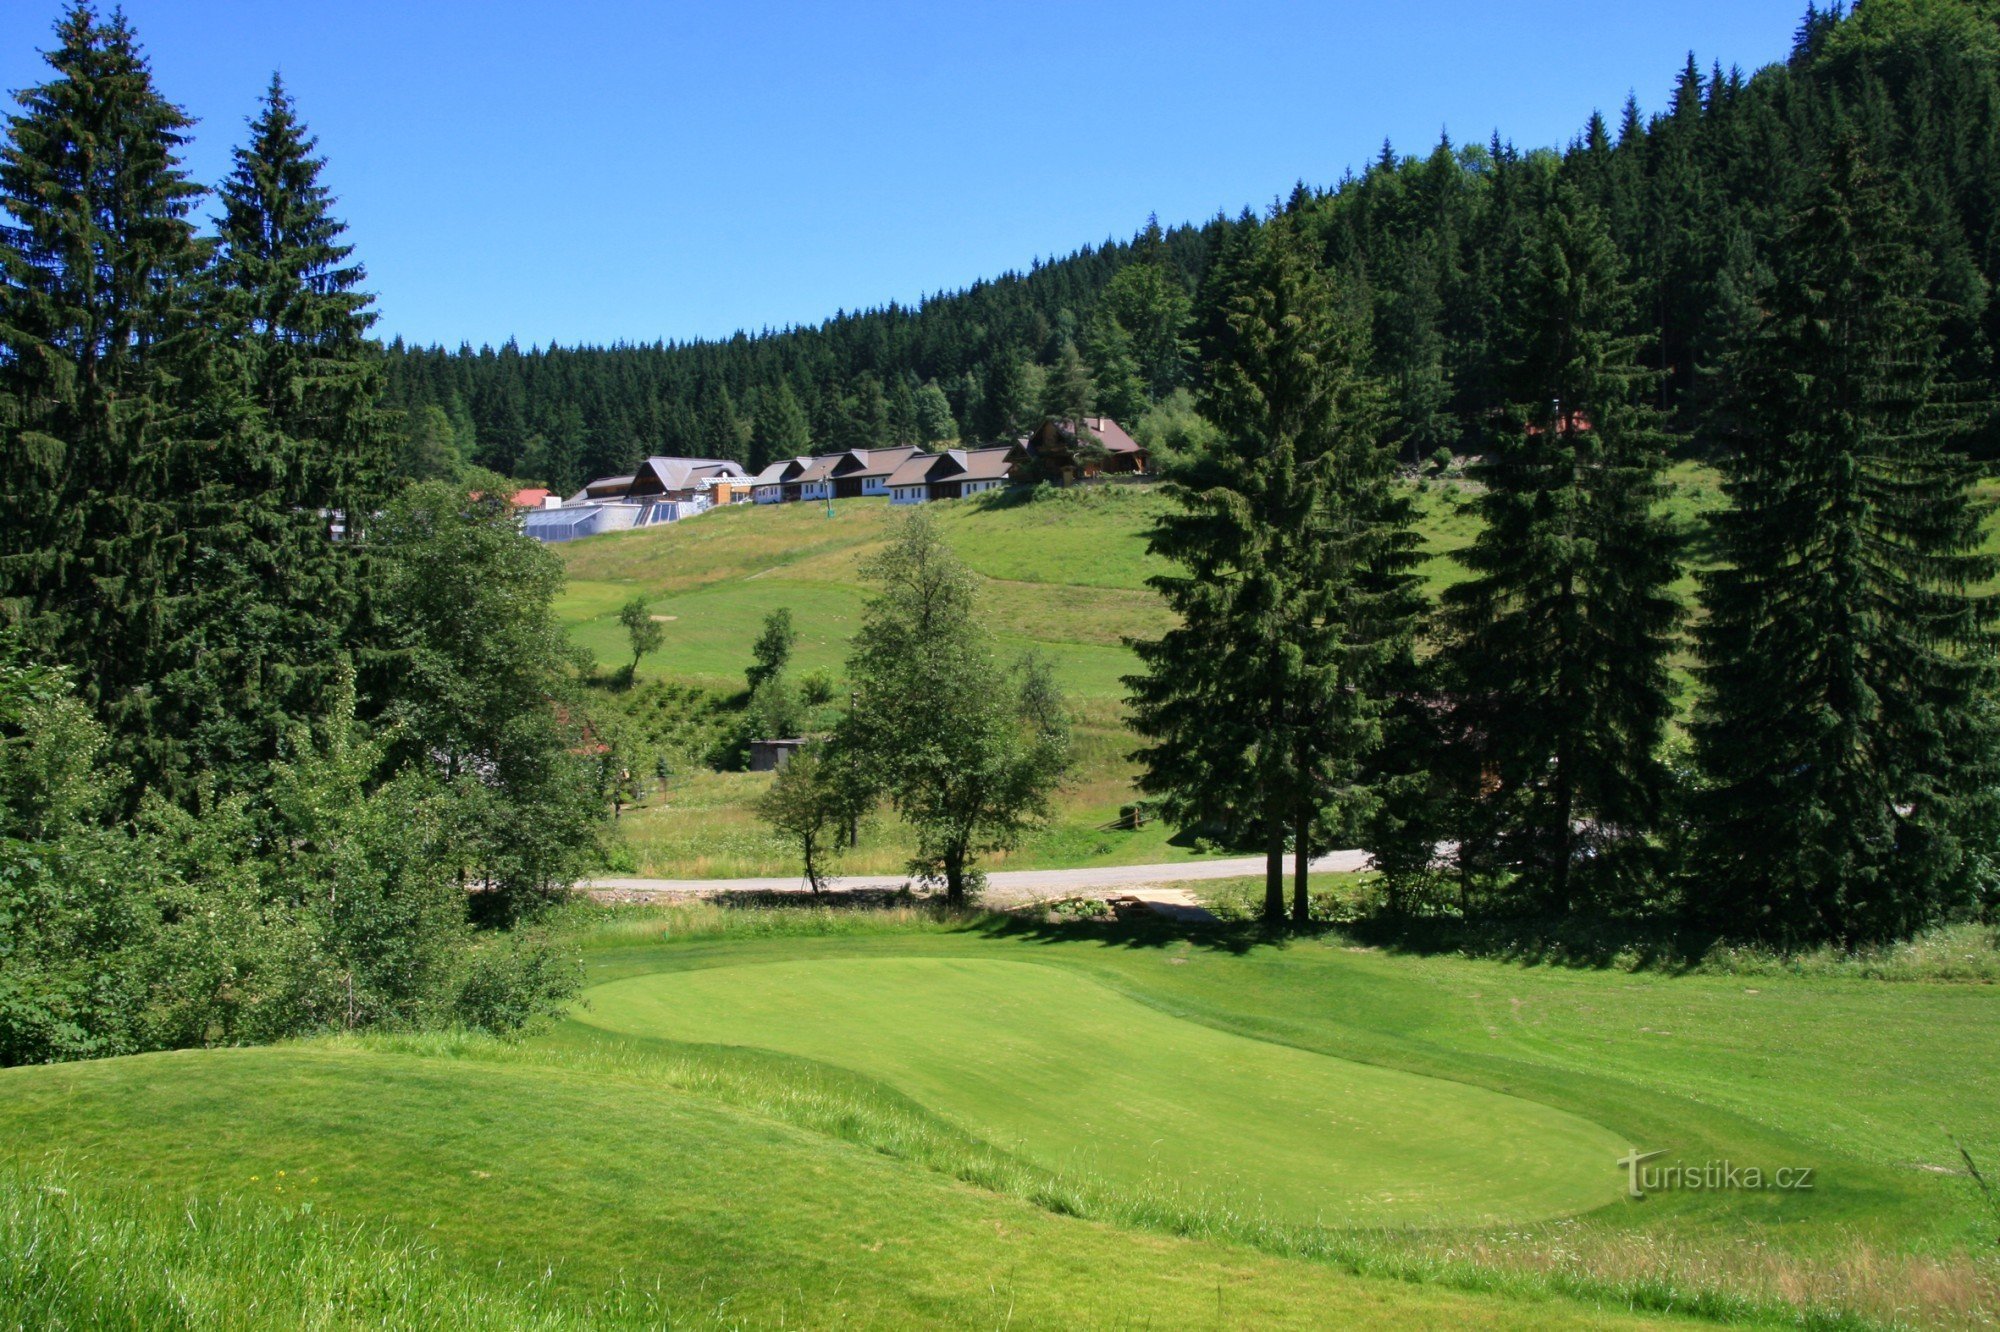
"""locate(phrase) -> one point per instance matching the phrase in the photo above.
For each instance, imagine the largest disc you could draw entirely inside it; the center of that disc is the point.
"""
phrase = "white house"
(872, 476)
(816, 479)
(910, 482)
(769, 485)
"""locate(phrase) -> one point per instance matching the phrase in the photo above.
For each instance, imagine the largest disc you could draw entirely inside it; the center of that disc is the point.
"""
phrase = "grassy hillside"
(1064, 575)
(810, 1118)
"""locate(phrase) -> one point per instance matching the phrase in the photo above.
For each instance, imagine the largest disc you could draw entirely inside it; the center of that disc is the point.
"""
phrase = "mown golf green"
(811, 1117)
(1075, 1076)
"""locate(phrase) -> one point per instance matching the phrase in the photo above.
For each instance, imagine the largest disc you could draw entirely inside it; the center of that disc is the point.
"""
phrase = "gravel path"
(1152, 883)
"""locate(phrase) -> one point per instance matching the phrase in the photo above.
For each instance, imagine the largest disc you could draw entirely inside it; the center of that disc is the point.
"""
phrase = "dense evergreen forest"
(1695, 195)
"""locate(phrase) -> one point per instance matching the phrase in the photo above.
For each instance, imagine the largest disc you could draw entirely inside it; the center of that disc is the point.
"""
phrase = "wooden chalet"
(1054, 449)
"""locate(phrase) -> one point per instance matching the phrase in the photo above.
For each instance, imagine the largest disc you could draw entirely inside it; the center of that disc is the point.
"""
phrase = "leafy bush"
(816, 688)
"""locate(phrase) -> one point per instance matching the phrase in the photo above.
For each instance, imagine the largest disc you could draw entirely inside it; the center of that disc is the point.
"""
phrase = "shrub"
(816, 688)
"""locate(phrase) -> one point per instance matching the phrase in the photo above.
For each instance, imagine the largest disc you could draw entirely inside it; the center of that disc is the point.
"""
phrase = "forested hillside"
(1694, 193)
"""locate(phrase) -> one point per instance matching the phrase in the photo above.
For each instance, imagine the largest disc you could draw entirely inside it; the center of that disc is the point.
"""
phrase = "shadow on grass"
(1595, 943)
(1147, 930)
(1585, 943)
(1028, 924)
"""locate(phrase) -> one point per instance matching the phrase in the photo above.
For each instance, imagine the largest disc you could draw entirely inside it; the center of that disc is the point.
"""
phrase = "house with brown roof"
(1103, 450)
(816, 481)
(873, 478)
(955, 473)
(910, 482)
(779, 481)
(855, 473)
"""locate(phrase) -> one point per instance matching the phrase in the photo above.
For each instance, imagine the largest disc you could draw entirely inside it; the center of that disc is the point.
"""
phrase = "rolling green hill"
(1063, 574)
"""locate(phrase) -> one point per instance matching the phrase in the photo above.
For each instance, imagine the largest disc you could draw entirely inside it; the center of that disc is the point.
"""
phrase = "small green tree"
(774, 711)
(642, 631)
(773, 648)
(934, 419)
(969, 755)
(805, 806)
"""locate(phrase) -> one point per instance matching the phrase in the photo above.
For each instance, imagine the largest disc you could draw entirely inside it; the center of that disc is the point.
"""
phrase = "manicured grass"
(1084, 1080)
(1865, 1081)
(540, 1185)
(895, 1119)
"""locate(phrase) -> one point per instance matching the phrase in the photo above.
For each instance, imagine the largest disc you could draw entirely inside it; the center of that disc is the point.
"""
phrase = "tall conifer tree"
(1292, 581)
(1848, 733)
(315, 462)
(102, 374)
(1560, 639)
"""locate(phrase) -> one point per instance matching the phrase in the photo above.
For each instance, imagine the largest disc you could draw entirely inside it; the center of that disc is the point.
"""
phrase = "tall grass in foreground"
(1729, 1280)
(78, 1254)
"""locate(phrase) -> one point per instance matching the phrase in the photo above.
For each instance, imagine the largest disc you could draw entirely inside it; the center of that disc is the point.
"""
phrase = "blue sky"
(601, 170)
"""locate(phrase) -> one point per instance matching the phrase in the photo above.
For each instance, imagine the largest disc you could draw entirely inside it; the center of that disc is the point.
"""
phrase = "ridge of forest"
(1695, 194)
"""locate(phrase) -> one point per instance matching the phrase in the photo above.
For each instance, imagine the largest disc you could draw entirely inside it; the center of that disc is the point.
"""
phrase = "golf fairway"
(1074, 1076)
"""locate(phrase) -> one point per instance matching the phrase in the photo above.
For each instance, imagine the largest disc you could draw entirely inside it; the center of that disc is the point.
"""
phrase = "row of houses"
(665, 490)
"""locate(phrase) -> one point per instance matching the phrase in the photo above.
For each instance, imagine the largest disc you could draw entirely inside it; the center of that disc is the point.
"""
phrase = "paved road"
(1003, 887)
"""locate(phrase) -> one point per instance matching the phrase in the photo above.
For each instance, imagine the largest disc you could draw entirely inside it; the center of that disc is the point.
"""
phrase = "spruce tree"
(1115, 383)
(1559, 641)
(287, 514)
(1848, 733)
(1292, 583)
(780, 429)
(100, 381)
(316, 373)
(1007, 399)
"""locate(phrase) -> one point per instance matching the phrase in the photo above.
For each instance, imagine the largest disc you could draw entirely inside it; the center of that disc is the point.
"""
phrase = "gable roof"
(781, 470)
(994, 463)
(1109, 433)
(914, 470)
(884, 462)
(819, 469)
(682, 473)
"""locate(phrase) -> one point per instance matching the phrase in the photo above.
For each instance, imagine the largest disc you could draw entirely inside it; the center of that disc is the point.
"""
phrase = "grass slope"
(810, 1116)
(542, 1187)
(1073, 1076)
(1064, 575)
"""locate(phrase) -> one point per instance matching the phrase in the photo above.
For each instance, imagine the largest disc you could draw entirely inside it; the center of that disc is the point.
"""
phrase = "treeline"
(1694, 197)
(1507, 749)
(279, 734)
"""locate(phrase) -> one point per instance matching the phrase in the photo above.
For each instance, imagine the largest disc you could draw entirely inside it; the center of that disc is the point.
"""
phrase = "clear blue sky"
(596, 170)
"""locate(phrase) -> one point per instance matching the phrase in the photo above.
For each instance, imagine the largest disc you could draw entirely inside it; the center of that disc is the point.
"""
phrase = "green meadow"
(1063, 575)
(811, 1117)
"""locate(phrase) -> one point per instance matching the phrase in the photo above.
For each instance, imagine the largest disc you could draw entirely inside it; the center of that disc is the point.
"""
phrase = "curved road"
(1003, 887)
